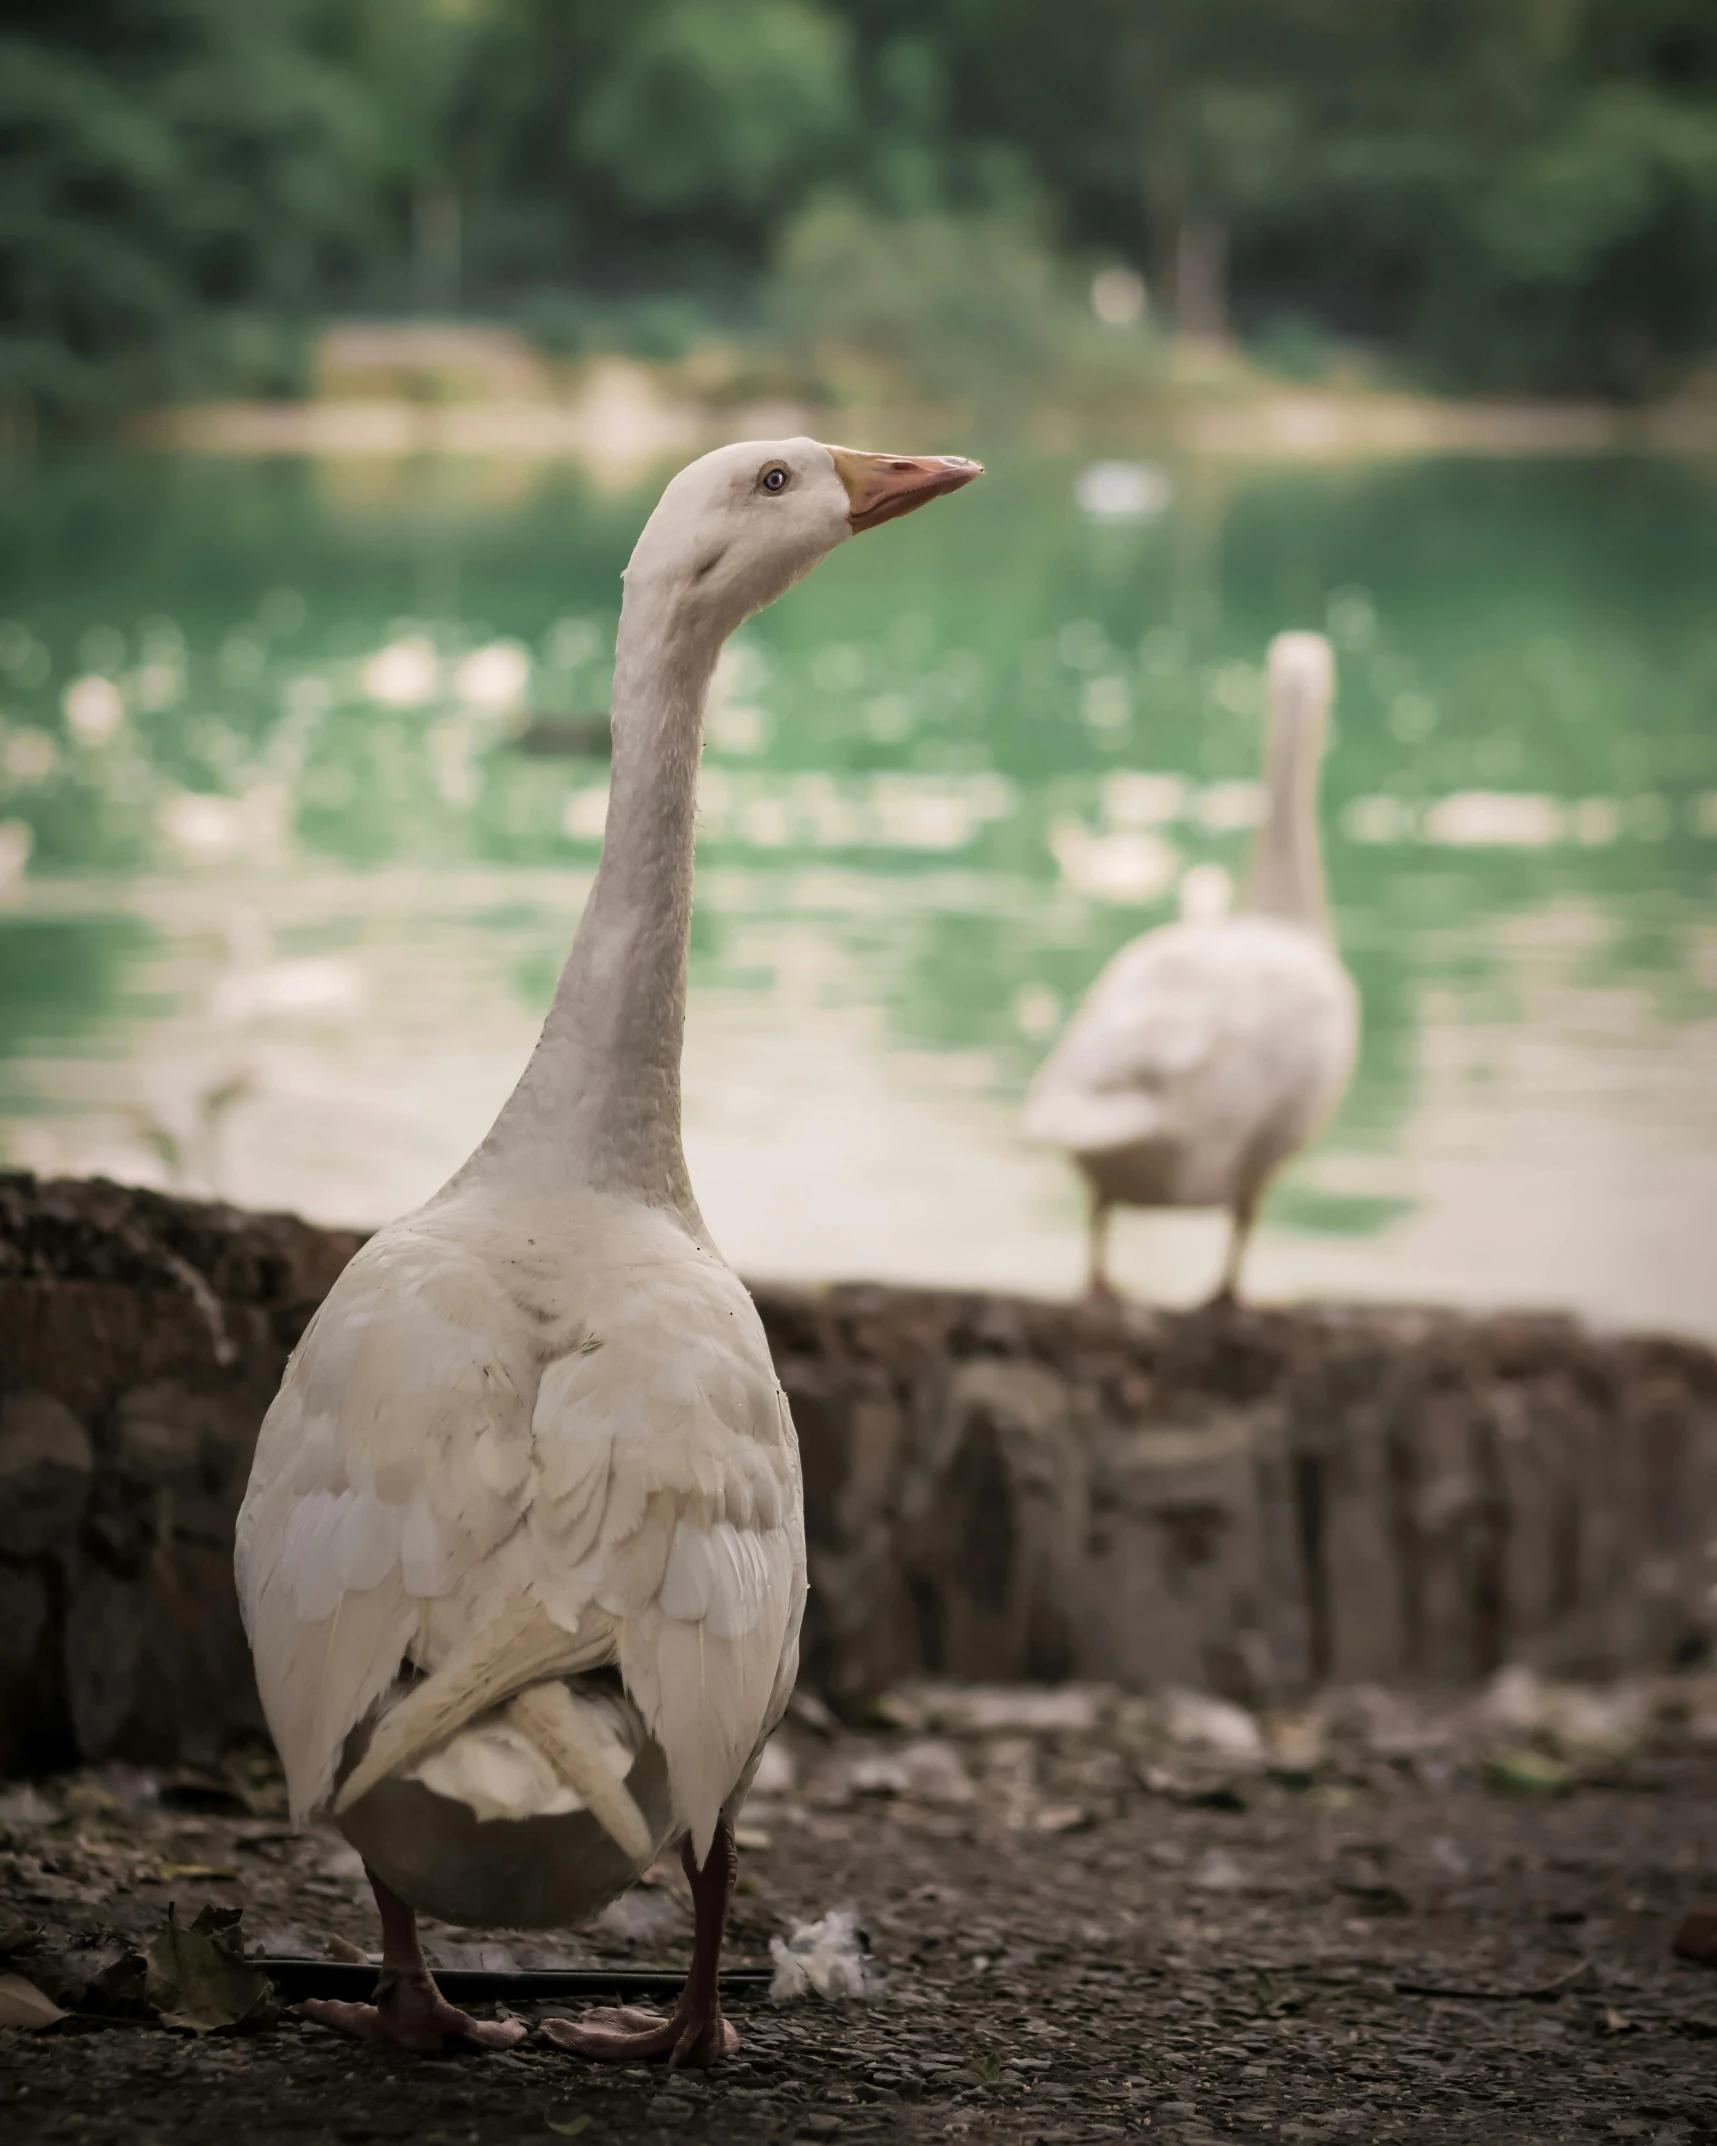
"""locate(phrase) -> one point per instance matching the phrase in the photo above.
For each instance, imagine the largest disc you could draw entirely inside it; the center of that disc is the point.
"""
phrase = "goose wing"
(437, 1485)
(669, 1502)
(1150, 1022)
(1197, 1031)
(392, 1468)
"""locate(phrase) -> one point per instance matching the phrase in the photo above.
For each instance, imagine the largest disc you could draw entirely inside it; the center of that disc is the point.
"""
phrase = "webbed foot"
(411, 2012)
(694, 2038)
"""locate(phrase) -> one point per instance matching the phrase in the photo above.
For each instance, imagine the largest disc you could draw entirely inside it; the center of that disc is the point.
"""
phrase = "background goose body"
(1209, 1052)
(522, 1557)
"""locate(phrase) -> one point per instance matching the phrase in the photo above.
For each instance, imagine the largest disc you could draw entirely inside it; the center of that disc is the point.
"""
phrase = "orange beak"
(880, 487)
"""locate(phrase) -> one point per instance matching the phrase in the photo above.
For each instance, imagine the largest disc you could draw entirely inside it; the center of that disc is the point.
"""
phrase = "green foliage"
(1515, 194)
(1293, 347)
(661, 328)
(965, 306)
(177, 188)
(926, 300)
(728, 102)
(1512, 193)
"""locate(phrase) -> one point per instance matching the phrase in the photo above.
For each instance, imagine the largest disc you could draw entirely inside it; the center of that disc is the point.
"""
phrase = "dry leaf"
(1525, 1772)
(121, 1986)
(23, 2005)
(198, 1978)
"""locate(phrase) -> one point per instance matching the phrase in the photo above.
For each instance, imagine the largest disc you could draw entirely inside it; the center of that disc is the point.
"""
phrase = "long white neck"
(1287, 877)
(598, 1106)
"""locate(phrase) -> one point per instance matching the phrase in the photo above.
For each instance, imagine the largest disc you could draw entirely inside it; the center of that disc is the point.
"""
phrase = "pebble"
(1696, 1939)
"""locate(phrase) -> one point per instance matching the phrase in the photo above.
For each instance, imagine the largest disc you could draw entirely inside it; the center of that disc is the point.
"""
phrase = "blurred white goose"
(1209, 1051)
(522, 1557)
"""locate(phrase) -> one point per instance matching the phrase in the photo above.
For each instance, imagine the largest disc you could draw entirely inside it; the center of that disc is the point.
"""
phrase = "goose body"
(522, 1557)
(565, 1403)
(1208, 1052)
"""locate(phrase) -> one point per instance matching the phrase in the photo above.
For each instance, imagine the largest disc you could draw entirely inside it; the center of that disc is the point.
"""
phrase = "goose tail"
(549, 1715)
(521, 1648)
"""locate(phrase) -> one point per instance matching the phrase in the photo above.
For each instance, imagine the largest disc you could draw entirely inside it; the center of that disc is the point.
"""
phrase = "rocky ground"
(1089, 1918)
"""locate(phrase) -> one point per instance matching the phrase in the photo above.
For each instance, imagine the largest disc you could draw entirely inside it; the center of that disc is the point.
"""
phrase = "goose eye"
(774, 480)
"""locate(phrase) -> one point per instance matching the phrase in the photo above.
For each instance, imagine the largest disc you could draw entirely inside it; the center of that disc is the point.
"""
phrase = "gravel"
(1400, 1946)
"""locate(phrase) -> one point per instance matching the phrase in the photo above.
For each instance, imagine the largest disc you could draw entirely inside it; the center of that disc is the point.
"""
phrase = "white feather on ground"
(827, 1957)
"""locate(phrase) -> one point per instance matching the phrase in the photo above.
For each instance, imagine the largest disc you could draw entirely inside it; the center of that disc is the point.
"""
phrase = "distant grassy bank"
(432, 388)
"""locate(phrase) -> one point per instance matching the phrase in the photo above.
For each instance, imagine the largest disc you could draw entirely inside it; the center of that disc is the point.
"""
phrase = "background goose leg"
(1097, 1282)
(1239, 1235)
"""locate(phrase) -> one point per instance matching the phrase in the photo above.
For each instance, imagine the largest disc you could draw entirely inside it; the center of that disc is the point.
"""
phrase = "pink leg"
(1098, 1286)
(408, 2009)
(697, 2034)
(1228, 1290)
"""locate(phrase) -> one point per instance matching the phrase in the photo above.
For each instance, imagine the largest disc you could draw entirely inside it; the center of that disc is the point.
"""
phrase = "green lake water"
(292, 844)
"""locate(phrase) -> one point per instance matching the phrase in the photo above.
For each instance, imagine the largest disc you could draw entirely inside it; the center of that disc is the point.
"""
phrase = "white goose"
(522, 1558)
(1208, 1052)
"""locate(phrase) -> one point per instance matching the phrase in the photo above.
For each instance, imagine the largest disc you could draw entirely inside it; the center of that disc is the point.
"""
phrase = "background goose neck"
(1286, 878)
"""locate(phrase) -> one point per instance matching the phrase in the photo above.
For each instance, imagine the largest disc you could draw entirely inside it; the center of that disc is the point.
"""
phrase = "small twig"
(1347, 1975)
(297, 1979)
(1349, 1979)
(1471, 1995)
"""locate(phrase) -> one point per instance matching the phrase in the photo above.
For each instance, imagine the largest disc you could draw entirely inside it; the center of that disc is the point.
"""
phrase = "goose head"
(735, 529)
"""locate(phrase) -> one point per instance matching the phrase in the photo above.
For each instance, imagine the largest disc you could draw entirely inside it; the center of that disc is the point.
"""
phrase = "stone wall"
(141, 1340)
(1253, 1502)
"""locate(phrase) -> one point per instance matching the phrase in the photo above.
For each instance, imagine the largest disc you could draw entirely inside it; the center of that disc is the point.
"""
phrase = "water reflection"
(301, 788)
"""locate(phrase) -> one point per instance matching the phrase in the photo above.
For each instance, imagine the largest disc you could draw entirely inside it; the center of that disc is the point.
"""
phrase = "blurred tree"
(718, 103)
(1152, 127)
(181, 180)
(413, 60)
(1520, 195)
(934, 303)
(1494, 193)
(1515, 193)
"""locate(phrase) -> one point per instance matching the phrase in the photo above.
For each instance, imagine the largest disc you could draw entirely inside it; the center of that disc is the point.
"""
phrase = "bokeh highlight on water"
(301, 789)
